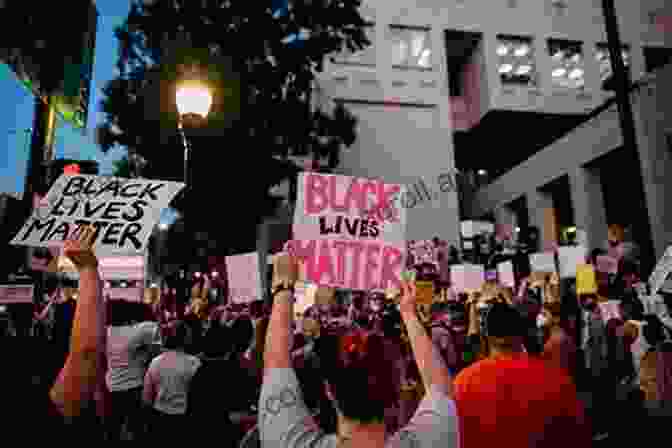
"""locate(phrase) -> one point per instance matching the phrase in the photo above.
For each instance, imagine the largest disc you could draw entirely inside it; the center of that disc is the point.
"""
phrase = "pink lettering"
(392, 263)
(333, 194)
(325, 265)
(355, 197)
(341, 247)
(358, 248)
(317, 197)
(372, 268)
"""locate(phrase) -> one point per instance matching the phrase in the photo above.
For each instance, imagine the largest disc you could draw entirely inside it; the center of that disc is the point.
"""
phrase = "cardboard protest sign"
(244, 277)
(586, 280)
(123, 212)
(467, 277)
(425, 292)
(341, 241)
(505, 272)
(661, 271)
(569, 257)
(606, 264)
(611, 309)
(542, 262)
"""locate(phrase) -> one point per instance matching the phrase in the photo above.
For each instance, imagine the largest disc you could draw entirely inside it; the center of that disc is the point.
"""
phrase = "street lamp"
(193, 100)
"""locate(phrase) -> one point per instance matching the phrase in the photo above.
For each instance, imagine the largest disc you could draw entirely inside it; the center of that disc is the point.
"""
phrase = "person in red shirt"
(516, 399)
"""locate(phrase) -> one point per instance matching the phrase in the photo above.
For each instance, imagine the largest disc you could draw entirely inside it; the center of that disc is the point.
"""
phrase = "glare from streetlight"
(193, 98)
(163, 226)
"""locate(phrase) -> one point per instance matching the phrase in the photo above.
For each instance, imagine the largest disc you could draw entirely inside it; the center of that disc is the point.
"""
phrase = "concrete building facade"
(408, 111)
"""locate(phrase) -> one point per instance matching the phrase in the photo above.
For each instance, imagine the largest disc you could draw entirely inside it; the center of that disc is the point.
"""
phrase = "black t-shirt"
(64, 315)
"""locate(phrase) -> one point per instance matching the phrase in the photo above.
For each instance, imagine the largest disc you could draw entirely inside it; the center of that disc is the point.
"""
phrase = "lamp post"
(193, 100)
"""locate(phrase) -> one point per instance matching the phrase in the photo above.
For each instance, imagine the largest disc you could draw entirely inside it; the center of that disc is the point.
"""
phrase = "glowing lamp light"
(517, 229)
(123, 284)
(214, 274)
(559, 55)
(163, 226)
(482, 172)
(197, 274)
(502, 50)
(505, 68)
(193, 98)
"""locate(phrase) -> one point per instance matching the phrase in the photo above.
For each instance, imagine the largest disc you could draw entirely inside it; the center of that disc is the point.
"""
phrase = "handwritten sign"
(586, 280)
(606, 264)
(16, 294)
(542, 262)
(506, 276)
(337, 245)
(244, 278)
(661, 271)
(569, 257)
(610, 309)
(123, 212)
(467, 277)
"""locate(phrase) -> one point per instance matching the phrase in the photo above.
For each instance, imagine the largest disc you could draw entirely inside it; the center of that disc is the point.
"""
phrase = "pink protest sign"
(467, 277)
(350, 232)
(610, 310)
(607, 264)
(349, 264)
(244, 278)
(506, 277)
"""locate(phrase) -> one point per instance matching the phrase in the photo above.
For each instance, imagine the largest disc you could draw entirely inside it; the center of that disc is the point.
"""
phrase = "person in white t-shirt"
(166, 388)
(359, 382)
(128, 352)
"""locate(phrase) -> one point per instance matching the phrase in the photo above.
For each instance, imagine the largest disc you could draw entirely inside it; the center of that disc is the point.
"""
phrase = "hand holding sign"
(79, 251)
(409, 294)
(285, 269)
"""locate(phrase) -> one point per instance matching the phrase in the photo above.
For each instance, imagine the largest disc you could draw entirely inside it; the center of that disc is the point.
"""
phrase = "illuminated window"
(516, 60)
(365, 57)
(604, 60)
(411, 48)
(567, 63)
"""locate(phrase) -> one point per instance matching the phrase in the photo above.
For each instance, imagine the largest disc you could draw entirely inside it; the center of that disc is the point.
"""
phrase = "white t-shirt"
(128, 351)
(285, 422)
(167, 381)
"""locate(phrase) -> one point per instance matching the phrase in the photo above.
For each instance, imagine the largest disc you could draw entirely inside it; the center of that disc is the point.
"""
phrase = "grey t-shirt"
(285, 422)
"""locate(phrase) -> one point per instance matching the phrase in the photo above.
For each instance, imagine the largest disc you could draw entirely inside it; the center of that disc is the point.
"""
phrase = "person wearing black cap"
(516, 397)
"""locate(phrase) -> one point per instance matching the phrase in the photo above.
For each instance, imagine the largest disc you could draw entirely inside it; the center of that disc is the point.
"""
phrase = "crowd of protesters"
(474, 369)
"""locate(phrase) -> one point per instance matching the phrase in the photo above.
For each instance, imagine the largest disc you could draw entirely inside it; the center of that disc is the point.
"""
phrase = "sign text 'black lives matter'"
(123, 212)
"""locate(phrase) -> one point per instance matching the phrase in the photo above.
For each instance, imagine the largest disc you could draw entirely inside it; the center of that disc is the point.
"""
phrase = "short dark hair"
(502, 320)
(175, 335)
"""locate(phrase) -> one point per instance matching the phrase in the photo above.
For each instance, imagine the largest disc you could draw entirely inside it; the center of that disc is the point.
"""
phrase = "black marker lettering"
(124, 191)
(113, 230)
(63, 229)
(89, 211)
(139, 212)
(150, 190)
(38, 225)
(56, 210)
(112, 210)
(74, 186)
(130, 233)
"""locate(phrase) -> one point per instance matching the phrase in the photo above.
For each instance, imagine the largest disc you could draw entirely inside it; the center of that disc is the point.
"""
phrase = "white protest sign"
(569, 257)
(661, 271)
(348, 232)
(467, 277)
(123, 211)
(244, 277)
(542, 262)
(506, 277)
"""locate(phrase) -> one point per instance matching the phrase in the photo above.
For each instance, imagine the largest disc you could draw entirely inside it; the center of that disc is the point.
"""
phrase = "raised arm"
(83, 369)
(432, 368)
(276, 350)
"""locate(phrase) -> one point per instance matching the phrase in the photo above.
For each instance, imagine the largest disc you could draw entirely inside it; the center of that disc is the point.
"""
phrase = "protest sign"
(16, 294)
(542, 262)
(467, 277)
(506, 277)
(569, 257)
(610, 309)
(586, 280)
(338, 247)
(244, 278)
(304, 295)
(606, 264)
(123, 212)
(661, 271)
(425, 292)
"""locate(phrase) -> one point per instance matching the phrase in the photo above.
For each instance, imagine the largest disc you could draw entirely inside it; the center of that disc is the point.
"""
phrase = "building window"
(516, 60)
(604, 60)
(559, 8)
(411, 48)
(365, 57)
(567, 63)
